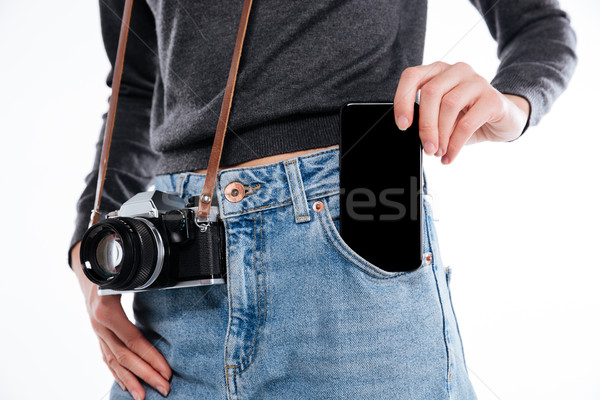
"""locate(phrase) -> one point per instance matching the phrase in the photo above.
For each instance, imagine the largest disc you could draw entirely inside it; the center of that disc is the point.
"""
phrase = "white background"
(518, 222)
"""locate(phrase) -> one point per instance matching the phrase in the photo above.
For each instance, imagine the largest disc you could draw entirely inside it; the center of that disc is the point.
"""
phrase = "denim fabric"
(302, 316)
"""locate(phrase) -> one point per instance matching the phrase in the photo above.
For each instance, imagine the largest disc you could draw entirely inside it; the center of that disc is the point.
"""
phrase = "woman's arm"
(130, 168)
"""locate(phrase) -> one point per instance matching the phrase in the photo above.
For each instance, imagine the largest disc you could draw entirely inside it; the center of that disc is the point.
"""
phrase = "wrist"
(523, 105)
(521, 102)
(76, 266)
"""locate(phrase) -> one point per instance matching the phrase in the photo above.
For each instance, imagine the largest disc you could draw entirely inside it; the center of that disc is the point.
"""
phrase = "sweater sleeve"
(536, 48)
(132, 160)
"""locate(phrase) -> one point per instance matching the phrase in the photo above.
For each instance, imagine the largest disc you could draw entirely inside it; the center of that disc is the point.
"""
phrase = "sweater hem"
(284, 135)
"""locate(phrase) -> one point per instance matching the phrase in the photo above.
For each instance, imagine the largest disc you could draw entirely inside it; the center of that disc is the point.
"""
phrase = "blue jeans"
(302, 316)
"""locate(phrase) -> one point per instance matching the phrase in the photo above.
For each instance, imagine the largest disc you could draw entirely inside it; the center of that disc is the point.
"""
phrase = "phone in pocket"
(381, 175)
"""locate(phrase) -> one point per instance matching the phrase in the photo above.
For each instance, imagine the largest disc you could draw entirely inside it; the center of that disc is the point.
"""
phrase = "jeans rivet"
(318, 206)
(428, 258)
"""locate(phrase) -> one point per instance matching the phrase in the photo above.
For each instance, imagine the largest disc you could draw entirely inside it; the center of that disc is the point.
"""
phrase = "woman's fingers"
(456, 104)
(451, 107)
(128, 380)
(127, 352)
(105, 350)
(118, 356)
(411, 80)
(473, 119)
(139, 345)
(432, 94)
(133, 363)
(434, 81)
(111, 315)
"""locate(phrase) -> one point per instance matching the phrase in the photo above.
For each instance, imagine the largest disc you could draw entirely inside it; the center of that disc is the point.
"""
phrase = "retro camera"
(154, 241)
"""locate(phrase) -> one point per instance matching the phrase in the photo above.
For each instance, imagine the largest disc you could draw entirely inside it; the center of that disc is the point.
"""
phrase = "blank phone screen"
(380, 186)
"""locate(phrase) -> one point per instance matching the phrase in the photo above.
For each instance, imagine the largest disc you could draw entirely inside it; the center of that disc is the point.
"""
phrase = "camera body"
(154, 241)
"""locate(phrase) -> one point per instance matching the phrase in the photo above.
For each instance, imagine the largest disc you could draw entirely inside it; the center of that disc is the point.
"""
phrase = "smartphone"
(381, 175)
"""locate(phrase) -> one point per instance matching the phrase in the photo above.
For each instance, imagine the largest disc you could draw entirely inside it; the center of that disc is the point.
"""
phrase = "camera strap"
(217, 148)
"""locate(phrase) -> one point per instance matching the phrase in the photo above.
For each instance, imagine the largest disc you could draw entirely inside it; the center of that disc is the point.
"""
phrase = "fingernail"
(163, 390)
(165, 375)
(445, 160)
(402, 123)
(439, 152)
(135, 395)
(428, 147)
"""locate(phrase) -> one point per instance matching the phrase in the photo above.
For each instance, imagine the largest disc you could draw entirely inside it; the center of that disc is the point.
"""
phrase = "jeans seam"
(445, 331)
(250, 210)
(460, 341)
(318, 154)
(230, 318)
(277, 205)
(258, 303)
(261, 310)
(444, 322)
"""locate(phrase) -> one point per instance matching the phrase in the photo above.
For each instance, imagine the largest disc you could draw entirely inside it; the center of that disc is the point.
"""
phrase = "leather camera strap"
(217, 148)
(112, 108)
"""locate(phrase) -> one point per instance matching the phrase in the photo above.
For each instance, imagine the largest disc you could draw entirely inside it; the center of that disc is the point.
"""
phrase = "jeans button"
(235, 192)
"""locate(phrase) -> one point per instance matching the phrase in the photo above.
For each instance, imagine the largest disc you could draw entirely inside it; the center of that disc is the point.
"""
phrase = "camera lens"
(122, 253)
(109, 254)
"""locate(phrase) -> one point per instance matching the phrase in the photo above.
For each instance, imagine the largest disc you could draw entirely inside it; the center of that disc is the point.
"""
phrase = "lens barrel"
(122, 253)
(109, 254)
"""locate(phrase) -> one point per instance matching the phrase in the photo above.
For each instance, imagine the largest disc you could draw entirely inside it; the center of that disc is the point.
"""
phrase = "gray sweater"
(300, 63)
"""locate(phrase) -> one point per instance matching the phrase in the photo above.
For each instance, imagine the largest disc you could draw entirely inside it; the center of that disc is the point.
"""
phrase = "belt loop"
(297, 191)
(180, 183)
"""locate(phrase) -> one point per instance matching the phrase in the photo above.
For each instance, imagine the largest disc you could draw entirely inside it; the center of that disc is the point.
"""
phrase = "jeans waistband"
(289, 182)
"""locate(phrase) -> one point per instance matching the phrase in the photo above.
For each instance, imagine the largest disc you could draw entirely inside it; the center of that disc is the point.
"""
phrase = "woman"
(302, 315)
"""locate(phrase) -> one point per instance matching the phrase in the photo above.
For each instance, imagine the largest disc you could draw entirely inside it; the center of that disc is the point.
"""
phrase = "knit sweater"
(300, 63)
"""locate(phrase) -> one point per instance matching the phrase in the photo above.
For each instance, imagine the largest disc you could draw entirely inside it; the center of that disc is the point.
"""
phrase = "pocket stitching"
(249, 358)
(336, 241)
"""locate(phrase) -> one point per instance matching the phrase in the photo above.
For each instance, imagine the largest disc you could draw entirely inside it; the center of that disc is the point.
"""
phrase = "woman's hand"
(457, 107)
(126, 352)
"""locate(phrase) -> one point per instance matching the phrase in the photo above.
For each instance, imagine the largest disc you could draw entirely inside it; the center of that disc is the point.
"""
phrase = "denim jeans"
(302, 316)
